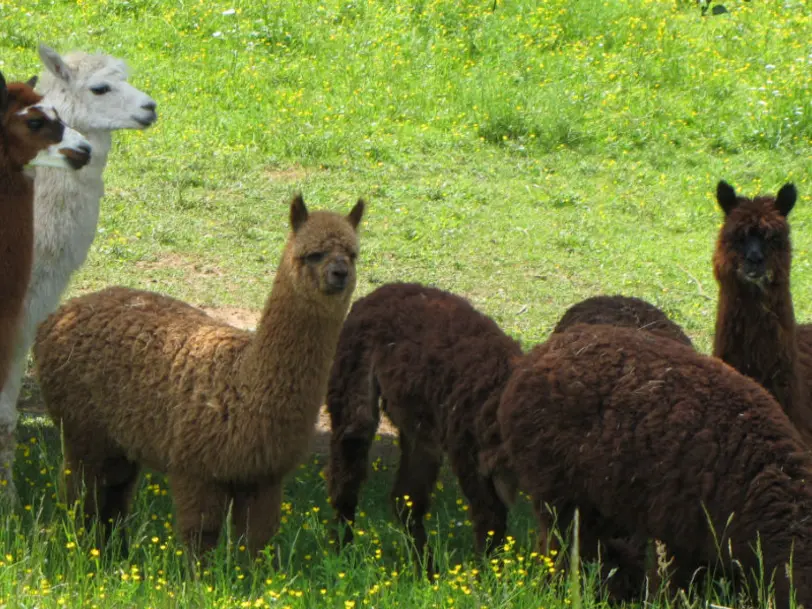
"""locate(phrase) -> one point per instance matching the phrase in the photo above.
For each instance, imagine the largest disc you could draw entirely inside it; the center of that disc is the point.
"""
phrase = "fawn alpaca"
(135, 378)
(92, 95)
(30, 132)
(755, 321)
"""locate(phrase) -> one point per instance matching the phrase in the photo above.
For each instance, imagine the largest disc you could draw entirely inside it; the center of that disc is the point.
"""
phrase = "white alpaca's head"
(91, 92)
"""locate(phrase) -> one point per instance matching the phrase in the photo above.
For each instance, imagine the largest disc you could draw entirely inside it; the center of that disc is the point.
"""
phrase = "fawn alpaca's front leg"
(201, 509)
(257, 514)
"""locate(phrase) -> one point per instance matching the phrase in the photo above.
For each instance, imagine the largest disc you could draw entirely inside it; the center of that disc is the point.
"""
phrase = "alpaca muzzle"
(337, 277)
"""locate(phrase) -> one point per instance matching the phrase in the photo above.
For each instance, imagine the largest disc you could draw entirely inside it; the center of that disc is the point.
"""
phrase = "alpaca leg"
(411, 495)
(257, 516)
(347, 471)
(488, 511)
(8, 447)
(121, 479)
(201, 509)
(546, 541)
(83, 476)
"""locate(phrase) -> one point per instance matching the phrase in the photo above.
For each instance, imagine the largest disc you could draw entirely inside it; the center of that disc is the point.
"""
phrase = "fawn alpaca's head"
(31, 131)
(754, 245)
(323, 248)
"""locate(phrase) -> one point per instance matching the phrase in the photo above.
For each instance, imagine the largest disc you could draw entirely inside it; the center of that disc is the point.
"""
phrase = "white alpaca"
(91, 94)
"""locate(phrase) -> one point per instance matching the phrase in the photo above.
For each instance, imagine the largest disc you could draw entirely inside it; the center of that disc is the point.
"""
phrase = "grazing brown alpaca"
(26, 131)
(624, 311)
(437, 367)
(649, 439)
(135, 378)
(755, 322)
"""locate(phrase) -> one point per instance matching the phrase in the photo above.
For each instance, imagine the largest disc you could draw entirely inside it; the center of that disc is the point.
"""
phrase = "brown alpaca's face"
(754, 243)
(32, 131)
(325, 249)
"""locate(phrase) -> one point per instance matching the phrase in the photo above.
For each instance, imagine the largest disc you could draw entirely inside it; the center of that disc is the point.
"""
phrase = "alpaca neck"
(306, 331)
(755, 333)
(16, 236)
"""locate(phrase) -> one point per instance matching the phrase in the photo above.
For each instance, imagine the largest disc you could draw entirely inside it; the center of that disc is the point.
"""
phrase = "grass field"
(524, 154)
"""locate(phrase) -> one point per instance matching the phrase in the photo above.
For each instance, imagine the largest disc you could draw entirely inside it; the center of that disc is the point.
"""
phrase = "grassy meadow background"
(524, 154)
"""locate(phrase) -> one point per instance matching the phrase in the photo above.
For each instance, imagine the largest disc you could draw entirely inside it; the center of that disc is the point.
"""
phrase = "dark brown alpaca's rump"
(650, 439)
(438, 366)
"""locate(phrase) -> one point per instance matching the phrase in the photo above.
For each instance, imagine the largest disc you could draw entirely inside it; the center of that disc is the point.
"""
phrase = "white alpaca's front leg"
(8, 449)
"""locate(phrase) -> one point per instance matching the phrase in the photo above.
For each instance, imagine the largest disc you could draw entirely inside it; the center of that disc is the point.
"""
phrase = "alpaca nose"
(754, 254)
(338, 276)
(149, 107)
(77, 157)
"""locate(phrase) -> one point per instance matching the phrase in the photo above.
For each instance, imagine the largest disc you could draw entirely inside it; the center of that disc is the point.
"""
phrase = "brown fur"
(19, 144)
(640, 432)
(437, 365)
(625, 311)
(135, 378)
(755, 321)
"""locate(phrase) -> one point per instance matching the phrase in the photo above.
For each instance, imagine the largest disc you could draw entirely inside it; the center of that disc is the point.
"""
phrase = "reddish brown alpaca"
(20, 144)
(755, 321)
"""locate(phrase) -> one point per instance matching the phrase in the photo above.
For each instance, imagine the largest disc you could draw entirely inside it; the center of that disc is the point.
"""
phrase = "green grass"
(525, 154)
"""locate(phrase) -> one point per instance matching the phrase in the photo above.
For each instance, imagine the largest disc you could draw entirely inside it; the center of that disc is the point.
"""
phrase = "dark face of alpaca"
(754, 245)
(325, 248)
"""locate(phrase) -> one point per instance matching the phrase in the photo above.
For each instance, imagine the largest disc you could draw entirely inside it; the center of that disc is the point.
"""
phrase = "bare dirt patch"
(190, 267)
(294, 173)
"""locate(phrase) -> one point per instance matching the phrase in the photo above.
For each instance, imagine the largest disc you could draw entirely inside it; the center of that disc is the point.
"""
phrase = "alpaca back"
(641, 432)
(429, 354)
(621, 311)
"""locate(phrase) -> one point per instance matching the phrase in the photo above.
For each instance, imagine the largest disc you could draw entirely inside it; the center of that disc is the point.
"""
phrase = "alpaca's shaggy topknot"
(650, 439)
(437, 366)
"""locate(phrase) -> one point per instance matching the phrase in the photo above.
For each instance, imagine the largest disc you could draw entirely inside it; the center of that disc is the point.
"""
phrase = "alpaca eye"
(100, 89)
(35, 124)
(314, 258)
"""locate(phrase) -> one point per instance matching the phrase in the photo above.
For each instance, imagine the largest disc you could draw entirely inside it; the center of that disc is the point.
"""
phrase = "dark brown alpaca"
(437, 366)
(649, 439)
(755, 321)
(26, 130)
(624, 311)
(135, 378)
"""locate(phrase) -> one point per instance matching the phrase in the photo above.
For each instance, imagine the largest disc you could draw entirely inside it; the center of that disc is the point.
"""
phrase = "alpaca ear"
(54, 63)
(298, 212)
(726, 196)
(3, 94)
(356, 213)
(32, 82)
(786, 198)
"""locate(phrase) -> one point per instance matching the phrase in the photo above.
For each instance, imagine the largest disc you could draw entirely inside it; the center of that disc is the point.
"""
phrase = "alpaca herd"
(616, 417)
